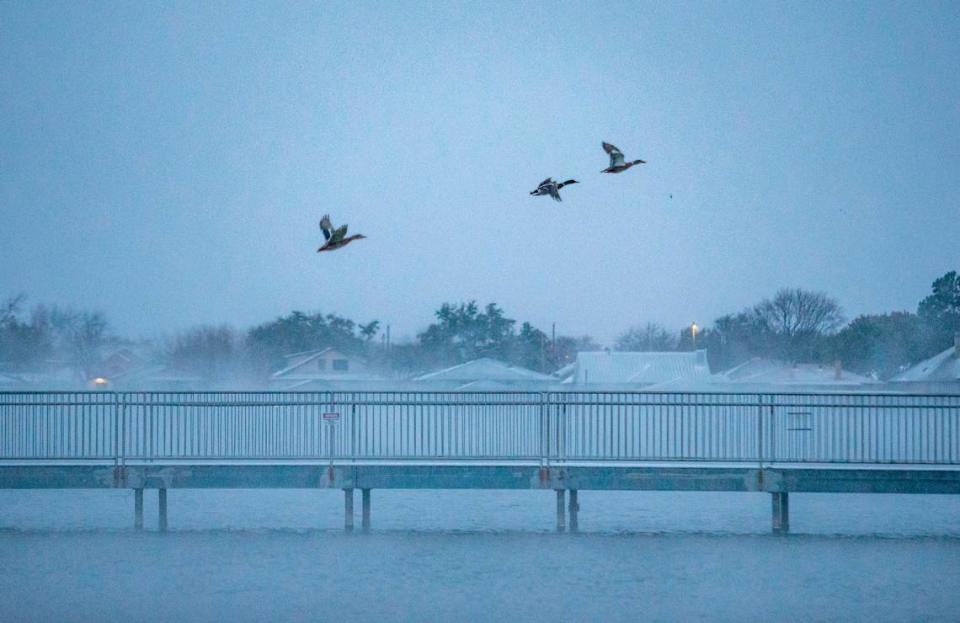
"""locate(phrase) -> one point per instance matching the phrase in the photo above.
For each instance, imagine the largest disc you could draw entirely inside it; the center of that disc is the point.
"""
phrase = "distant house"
(117, 367)
(129, 370)
(938, 374)
(157, 378)
(323, 368)
(760, 374)
(51, 376)
(485, 373)
(651, 370)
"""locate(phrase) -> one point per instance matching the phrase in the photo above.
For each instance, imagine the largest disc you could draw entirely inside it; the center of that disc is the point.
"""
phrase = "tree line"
(793, 325)
(796, 325)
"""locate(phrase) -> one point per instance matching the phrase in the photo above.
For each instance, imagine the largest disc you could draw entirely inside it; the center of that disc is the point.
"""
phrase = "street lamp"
(693, 333)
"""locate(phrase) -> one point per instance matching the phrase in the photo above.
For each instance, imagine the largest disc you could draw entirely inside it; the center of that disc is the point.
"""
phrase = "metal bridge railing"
(449, 426)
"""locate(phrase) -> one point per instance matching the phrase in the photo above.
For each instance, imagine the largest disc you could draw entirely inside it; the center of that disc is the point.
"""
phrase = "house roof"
(943, 366)
(293, 371)
(773, 372)
(486, 369)
(121, 362)
(316, 351)
(299, 359)
(640, 367)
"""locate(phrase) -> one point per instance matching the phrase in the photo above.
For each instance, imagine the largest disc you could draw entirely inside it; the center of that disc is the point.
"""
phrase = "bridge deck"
(485, 475)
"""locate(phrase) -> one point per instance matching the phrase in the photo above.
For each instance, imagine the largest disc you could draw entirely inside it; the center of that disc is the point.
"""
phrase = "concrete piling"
(574, 507)
(348, 510)
(365, 509)
(781, 512)
(561, 510)
(162, 503)
(138, 509)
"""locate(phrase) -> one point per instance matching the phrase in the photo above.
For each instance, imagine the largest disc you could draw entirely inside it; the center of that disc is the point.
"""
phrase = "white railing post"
(353, 428)
(760, 429)
(116, 428)
(544, 431)
(121, 425)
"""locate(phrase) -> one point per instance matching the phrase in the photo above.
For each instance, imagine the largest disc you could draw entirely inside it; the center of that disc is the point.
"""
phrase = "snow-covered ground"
(477, 555)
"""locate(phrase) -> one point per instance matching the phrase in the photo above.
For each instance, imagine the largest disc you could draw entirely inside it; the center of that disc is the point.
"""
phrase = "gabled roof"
(485, 369)
(119, 363)
(774, 372)
(302, 353)
(295, 360)
(943, 366)
(645, 368)
(298, 372)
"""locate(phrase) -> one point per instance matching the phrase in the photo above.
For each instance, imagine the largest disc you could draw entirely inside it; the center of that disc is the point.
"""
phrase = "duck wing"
(549, 180)
(616, 156)
(338, 234)
(326, 226)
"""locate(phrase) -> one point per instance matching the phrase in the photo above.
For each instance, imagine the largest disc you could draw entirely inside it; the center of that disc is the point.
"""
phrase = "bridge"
(560, 441)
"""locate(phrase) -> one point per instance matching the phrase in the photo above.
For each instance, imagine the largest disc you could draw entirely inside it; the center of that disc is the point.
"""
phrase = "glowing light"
(99, 381)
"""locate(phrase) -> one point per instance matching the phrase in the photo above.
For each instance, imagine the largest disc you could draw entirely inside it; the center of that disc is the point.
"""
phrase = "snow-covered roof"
(759, 371)
(944, 366)
(644, 368)
(54, 377)
(298, 370)
(295, 360)
(486, 369)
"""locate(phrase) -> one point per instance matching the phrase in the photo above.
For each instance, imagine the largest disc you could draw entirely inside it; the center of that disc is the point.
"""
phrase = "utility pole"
(553, 341)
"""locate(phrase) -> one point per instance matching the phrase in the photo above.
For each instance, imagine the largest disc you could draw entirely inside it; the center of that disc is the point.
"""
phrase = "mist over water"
(476, 511)
(479, 556)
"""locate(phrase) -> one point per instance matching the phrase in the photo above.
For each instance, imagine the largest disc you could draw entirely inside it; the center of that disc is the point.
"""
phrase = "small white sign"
(331, 416)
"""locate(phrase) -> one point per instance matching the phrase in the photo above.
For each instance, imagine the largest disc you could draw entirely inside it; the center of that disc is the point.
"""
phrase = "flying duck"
(335, 238)
(617, 164)
(549, 187)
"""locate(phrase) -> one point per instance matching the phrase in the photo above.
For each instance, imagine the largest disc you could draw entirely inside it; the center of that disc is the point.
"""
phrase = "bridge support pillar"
(561, 510)
(574, 507)
(138, 509)
(162, 504)
(348, 510)
(781, 512)
(365, 509)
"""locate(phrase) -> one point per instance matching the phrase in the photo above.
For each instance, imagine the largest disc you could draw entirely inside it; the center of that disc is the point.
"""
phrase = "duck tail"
(639, 162)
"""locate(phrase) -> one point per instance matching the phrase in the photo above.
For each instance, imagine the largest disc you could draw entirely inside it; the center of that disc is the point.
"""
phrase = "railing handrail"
(566, 425)
(532, 392)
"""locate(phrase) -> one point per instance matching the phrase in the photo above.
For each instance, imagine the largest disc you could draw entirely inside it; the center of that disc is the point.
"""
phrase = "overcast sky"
(167, 163)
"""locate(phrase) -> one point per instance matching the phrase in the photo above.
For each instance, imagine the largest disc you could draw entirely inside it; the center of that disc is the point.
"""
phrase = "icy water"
(477, 556)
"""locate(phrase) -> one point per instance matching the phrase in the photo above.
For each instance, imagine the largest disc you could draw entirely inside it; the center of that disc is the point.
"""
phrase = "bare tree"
(798, 319)
(209, 352)
(648, 337)
(798, 312)
(81, 337)
(10, 308)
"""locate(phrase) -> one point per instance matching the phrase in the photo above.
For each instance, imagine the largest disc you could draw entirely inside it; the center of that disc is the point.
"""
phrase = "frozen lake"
(477, 555)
